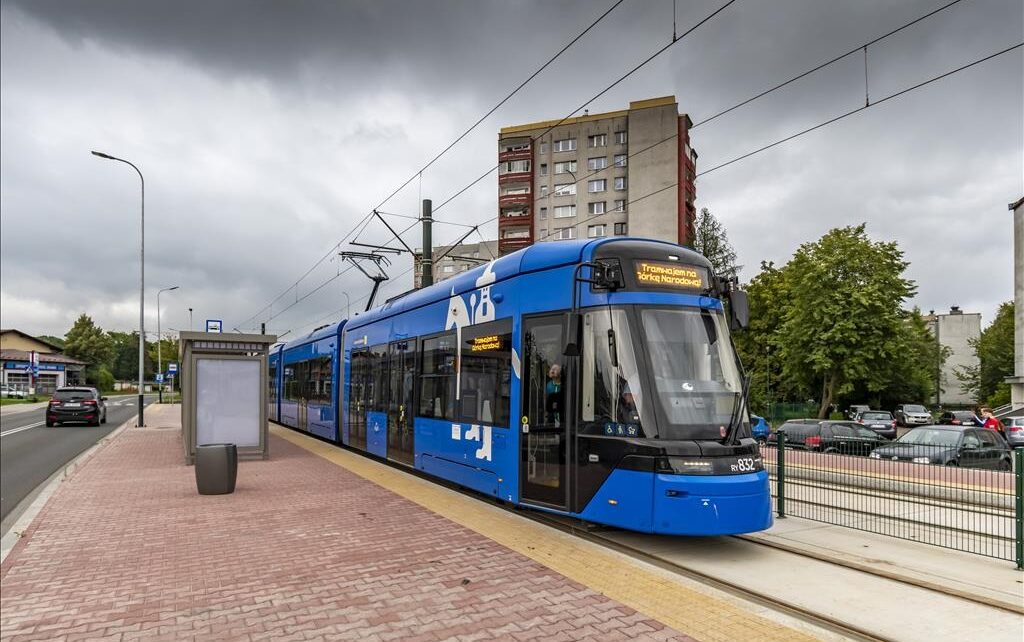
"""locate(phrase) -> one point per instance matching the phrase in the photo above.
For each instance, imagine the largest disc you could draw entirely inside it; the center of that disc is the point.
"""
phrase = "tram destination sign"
(662, 274)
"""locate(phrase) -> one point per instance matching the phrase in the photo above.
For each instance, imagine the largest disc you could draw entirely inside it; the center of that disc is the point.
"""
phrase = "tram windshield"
(684, 385)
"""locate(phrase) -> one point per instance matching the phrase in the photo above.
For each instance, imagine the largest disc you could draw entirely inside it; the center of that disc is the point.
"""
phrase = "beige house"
(55, 369)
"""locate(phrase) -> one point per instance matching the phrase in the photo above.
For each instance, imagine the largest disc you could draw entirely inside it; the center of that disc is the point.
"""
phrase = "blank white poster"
(228, 402)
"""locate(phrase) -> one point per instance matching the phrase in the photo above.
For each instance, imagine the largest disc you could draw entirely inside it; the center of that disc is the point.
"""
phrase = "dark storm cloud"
(268, 129)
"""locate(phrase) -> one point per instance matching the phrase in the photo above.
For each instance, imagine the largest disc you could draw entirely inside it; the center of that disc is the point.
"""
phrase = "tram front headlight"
(685, 466)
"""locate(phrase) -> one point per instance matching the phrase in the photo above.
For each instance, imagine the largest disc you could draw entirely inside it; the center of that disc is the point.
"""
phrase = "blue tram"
(595, 379)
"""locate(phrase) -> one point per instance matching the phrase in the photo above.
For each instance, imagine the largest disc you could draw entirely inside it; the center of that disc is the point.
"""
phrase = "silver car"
(910, 414)
(1014, 431)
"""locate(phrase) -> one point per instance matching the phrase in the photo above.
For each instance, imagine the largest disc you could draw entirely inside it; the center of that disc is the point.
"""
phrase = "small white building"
(955, 330)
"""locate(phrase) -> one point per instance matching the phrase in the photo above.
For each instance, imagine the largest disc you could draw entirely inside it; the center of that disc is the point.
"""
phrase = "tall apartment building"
(955, 331)
(616, 173)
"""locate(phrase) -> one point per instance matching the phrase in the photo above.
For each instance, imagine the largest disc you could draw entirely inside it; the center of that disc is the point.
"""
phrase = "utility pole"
(263, 328)
(427, 258)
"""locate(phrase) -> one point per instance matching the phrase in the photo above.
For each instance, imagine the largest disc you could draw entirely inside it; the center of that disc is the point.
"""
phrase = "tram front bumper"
(712, 504)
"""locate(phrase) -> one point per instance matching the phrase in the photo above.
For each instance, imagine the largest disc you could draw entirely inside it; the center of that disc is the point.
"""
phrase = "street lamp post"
(190, 319)
(159, 340)
(142, 281)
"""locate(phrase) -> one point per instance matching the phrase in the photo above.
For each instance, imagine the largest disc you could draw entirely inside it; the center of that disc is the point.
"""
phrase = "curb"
(21, 526)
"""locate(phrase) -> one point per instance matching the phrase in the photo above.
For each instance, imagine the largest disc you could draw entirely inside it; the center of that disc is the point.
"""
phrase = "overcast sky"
(267, 130)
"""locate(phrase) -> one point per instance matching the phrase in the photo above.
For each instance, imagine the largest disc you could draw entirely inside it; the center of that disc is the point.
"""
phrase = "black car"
(880, 421)
(76, 405)
(959, 418)
(949, 446)
(844, 437)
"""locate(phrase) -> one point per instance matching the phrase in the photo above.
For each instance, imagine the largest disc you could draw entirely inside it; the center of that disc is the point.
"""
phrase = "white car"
(910, 414)
(11, 392)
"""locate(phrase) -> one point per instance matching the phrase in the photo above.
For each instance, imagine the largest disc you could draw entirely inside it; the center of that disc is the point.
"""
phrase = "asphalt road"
(30, 452)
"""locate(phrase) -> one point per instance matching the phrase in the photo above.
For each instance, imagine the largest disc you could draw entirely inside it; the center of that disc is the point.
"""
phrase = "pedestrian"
(554, 395)
(989, 420)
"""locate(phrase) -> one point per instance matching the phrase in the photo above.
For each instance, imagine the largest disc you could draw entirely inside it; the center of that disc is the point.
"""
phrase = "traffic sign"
(214, 325)
(159, 378)
(172, 368)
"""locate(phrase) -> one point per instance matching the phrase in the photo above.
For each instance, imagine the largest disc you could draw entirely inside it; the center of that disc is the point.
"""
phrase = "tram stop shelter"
(224, 391)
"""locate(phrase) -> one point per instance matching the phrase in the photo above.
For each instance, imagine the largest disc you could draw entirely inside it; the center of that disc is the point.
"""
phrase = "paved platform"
(333, 546)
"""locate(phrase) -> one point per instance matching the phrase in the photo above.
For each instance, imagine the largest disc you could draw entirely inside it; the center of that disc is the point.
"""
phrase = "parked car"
(844, 437)
(880, 421)
(912, 414)
(1015, 431)
(959, 418)
(856, 409)
(949, 446)
(759, 428)
(11, 392)
(76, 405)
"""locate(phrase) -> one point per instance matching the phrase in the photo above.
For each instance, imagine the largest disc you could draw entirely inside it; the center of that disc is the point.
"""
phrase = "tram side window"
(437, 380)
(319, 380)
(485, 378)
(377, 396)
(296, 375)
(272, 383)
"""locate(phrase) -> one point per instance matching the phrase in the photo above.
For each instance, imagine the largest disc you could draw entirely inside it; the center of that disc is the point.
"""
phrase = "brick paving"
(303, 550)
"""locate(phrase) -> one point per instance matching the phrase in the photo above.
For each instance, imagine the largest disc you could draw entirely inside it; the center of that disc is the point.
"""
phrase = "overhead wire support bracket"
(455, 245)
(392, 230)
(379, 277)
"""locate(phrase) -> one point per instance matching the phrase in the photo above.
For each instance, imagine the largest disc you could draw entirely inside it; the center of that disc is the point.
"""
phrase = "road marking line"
(14, 430)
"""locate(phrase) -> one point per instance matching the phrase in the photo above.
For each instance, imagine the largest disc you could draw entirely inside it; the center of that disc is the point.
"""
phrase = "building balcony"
(507, 220)
(519, 154)
(515, 177)
(513, 244)
(508, 200)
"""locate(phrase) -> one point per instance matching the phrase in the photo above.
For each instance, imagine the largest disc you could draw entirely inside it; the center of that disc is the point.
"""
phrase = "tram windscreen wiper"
(734, 419)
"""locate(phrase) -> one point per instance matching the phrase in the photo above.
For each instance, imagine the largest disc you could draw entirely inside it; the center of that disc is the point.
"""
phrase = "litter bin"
(216, 468)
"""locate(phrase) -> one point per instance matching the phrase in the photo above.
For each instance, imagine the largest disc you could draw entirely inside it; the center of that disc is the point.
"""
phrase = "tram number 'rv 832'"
(595, 379)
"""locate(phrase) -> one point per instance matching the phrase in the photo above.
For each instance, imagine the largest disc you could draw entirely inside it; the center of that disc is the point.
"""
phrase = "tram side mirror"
(572, 347)
(739, 310)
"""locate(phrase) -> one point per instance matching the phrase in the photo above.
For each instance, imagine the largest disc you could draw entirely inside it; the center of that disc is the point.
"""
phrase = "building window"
(596, 231)
(448, 269)
(621, 138)
(543, 213)
(565, 233)
(620, 183)
(597, 163)
(620, 229)
(598, 185)
(517, 166)
(543, 148)
(543, 233)
(565, 189)
(476, 254)
(620, 160)
(543, 169)
(565, 211)
(516, 190)
(620, 205)
(565, 167)
(598, 140)
(596, 208)
(543, 190)
(516, 234)
(565, 145)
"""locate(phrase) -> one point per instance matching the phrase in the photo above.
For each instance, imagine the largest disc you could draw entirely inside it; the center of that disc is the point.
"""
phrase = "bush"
(101, 378)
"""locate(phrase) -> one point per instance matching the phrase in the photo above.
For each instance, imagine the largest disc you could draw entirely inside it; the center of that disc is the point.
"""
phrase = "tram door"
(402, 373)
(544, 429)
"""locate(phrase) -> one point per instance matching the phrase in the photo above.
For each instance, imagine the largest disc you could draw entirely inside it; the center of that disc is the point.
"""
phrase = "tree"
(758, 343)
(88, 342)
(994, 349)
(844, 314)
(49, 338)
(711, 240)
(125, 360)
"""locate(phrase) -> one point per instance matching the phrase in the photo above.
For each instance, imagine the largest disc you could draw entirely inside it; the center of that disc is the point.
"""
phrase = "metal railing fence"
(968, 500)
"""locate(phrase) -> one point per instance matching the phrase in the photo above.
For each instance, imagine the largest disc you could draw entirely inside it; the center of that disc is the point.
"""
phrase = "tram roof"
(331, 330)
(539, 256)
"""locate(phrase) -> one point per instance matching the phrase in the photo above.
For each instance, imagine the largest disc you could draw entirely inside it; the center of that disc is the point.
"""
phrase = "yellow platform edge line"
(655, 595)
